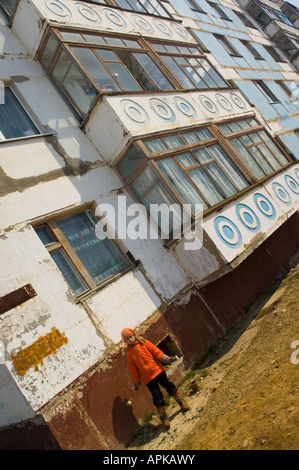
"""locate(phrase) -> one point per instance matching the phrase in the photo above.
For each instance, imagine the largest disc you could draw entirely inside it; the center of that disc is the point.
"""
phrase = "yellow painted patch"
(34, 354)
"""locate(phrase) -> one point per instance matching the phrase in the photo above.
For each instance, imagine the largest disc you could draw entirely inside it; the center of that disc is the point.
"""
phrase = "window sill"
(25, 138)
(87, 294)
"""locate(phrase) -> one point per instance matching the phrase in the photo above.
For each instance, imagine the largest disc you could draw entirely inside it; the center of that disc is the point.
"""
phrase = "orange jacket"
(143, 361)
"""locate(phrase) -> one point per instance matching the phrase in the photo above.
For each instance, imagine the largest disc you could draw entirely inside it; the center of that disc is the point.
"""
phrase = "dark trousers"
(153, 387)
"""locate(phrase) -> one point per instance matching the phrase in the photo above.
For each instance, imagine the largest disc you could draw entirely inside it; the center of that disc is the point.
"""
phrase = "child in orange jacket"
(145, 363)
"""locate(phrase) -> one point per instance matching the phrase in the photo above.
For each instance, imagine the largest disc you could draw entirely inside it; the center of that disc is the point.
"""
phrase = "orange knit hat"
(126, 333)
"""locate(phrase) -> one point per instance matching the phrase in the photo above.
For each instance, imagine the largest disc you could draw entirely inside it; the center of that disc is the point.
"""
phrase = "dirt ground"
(245, 394)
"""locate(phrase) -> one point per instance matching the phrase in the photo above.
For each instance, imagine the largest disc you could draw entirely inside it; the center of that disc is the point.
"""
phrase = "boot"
(163, 416)
(181, 401)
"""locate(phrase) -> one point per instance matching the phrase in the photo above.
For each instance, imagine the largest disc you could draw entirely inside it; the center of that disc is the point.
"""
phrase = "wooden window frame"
(265, 90)
(218, 138)
(229, 48)
(183, 55)
(61, 243)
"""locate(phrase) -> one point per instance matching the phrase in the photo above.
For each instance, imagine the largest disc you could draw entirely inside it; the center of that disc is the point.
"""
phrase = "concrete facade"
(64, 381)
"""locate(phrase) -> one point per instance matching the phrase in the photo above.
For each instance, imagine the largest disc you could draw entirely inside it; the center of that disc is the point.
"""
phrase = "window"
(189, 67)
(85, 65)
(266, 91)
(227, 46)
(245, 19)
(257, 150)
(153, 7)
(220, 11)
(291, 89)
(14, 121)
(201, 166)
(8, 7)
(83, 259)
(274, 53)
(252, 50)
(195, 7)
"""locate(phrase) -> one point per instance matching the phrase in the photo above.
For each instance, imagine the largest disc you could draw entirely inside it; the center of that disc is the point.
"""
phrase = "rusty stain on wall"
(17, 297)
(34, 354)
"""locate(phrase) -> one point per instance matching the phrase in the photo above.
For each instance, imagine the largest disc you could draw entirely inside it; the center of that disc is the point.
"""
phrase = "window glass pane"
(173, 141)
(269, 156)
(180, 183)
(258, 155)
(220, 179)
(186, 160)
(132, 44)
(130, 163)
(204, 134)
(144, 181)
(156, 197)
(234, 126)
(212, 73)
(274, 148)
(61, 67)
(153, 71)
(49, 51)
(155, 145)
(14, 121)
(69, 272)
(159, 47)
(106, 55)
(202, 155)
(205, 186)
(92, 38)
(101, 258)
(229, 167)
(185, 82)
(114, 41)
(189, 137)
(196, 77)
(247, 158)
(72, 36)
(95, 69)
(79, 89)
(123, 77)
(224, 129)
(252, 122)
(45, 236)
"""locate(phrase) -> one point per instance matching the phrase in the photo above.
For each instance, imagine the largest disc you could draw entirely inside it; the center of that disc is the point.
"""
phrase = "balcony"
(121, 118)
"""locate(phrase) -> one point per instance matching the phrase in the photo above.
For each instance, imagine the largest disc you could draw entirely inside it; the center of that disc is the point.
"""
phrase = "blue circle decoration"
(297, 173)
(292, 184)
(162, 109)
(115, 18)
(238, 101)
(184, 107)
(134, 111)
(248, 218)
(223, 102)
(208, 104)
(264, 206)
(88, 13)
(142, 23)
(281, 193)
(228, 232)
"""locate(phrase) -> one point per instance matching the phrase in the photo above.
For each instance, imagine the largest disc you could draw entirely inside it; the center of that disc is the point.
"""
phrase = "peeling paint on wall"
(34, 354)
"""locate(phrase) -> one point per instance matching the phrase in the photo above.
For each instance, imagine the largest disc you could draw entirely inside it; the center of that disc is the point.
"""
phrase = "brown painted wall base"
(94, 415)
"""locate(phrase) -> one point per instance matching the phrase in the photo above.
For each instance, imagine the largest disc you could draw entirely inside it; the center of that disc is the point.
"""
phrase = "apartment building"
(149, 179)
